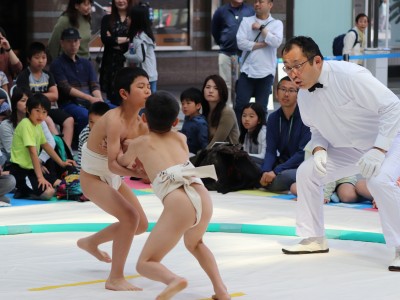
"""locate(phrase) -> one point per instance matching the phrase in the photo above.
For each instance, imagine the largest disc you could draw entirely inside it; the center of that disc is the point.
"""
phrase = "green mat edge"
(361, 236)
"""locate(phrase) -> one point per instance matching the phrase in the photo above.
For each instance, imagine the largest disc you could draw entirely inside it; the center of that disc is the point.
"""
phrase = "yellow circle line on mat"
(52, 287)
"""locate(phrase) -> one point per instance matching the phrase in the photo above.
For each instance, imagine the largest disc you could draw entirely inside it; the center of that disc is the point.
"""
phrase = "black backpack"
(338, 43)
(234, 167)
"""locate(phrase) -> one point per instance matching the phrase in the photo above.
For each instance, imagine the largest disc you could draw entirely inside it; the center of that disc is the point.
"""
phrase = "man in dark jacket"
(224, 26)
(286, 138)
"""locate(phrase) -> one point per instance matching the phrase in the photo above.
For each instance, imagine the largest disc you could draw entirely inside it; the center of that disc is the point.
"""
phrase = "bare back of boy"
(159, 152)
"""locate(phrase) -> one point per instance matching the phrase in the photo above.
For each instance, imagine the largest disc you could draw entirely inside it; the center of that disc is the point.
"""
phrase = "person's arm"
(262, 144)
(272, 138)
(226, 123)
(242, 36)
(216, 25)
(348, 42)
(329, 189)
(6, 135)
(273, 34)
(126, 159)
(298, 156)
(52, 94)
(13, 60)
(69, 162)
(44, 156)
(43, 183)
(203, 133)
(137, 57)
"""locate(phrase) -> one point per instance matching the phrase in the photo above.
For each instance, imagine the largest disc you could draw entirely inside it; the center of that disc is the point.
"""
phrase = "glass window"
(171, 23)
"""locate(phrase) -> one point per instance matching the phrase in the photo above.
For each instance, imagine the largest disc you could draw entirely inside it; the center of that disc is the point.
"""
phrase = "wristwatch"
(262, 27)
(8, 50)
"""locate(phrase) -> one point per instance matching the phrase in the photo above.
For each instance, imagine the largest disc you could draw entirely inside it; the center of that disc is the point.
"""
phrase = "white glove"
(370, 163)
(320, 158)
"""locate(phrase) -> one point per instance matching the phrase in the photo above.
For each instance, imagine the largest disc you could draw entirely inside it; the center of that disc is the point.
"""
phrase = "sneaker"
(308, 246)
(395, 264)
(4, 204)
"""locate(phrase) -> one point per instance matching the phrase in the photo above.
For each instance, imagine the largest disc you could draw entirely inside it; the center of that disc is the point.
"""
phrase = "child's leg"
(178, 215)
(107, 234)
(194, 243)
(121, 232)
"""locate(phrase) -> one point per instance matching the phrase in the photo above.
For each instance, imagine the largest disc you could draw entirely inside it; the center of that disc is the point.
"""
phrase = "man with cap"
(76, 80)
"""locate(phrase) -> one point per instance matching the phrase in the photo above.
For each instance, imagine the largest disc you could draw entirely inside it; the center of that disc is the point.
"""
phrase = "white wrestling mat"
(47, 265)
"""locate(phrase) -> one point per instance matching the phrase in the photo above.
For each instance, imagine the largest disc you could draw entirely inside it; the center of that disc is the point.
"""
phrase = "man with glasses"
(286, 138)
(258, 37)
(354, 121)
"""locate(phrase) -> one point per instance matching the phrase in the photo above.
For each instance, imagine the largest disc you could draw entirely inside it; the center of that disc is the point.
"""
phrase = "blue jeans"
(247, 87)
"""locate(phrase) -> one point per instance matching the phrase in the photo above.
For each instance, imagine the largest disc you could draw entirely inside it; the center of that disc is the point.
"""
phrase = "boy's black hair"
(98, 108)
(37, 100)
(161, 110)
(35, 48)
(260, 112)
(124, 78)
(192, 94)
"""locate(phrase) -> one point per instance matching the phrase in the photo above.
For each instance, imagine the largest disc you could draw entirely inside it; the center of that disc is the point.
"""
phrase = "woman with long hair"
(142, 46)
(76, 15)
(114, 35)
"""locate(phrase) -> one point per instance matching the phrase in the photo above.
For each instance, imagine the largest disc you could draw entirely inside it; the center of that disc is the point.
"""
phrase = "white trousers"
(229, 70)
(341, 162)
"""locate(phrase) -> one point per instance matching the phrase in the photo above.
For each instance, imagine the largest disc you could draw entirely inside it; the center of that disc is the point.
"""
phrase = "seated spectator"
(96, 110)
(9, 61)
(342, 190)
(4, 106)
(76, 81)
(38, 80)
(4, 81)
(7, 184)
(287, 137)
(253, 132)
(222, 122)
(362, 191)
(27, 141)
(195, 126)
(7, 127)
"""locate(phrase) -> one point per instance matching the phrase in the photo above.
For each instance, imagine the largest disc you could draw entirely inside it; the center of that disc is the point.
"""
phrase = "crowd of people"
(296, 148)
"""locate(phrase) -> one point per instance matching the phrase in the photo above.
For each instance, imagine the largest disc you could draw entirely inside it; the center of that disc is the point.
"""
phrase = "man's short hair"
(306, 44)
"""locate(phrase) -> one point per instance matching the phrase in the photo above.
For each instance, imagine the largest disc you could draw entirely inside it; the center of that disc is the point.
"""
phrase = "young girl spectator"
(222, 123)
(114, 35)
(76, 15)
(141, 50)
(27, 141)
(9, 61)
(253, 132)
(195, 126)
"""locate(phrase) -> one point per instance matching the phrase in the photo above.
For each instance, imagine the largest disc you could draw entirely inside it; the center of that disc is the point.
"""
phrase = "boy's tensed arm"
(126, 159)
(50, 151)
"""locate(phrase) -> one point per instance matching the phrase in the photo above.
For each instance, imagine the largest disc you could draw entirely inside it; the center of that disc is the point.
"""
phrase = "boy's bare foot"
(100, 255)
(121, 285)
(221, 294)
(174, 287)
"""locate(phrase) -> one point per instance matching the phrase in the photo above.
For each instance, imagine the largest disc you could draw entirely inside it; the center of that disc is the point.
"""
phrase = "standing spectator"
(77, 15)
(222, 123)
(287, 137)
(355, 40)
(253, 132)
(76, 81)
(9, 61)
(355, 123)
(258, 37)
(38, 80)
(141, 50)
(224, 26)
(114, 35)
(195, 126)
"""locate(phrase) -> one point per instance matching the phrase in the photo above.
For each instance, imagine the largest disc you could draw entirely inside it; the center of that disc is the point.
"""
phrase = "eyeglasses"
(288, 70)
(290, 91)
